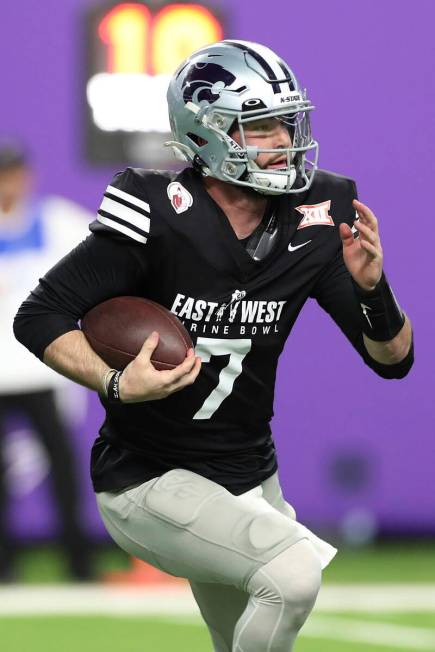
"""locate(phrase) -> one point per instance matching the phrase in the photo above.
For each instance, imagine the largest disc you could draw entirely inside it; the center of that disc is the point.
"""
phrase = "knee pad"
(293, 577)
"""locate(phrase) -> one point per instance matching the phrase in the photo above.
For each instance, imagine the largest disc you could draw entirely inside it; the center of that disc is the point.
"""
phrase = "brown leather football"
(116, 329)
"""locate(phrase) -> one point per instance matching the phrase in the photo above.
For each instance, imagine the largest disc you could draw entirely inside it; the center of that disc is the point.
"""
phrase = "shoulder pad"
(125, 208)
(333, 181)
(340, 190)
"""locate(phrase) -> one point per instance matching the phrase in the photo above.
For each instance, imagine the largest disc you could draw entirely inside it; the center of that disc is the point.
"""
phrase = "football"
(117, 328)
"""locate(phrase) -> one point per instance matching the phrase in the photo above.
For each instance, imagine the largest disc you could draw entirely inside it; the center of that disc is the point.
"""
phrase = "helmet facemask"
(280, 180)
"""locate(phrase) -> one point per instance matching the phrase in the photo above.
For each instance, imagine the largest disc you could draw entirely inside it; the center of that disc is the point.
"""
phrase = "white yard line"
(370, 633)
(377, 598)
(95, 599)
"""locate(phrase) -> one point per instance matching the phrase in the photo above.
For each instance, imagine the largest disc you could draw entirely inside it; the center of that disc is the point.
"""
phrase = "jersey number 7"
(237, 350)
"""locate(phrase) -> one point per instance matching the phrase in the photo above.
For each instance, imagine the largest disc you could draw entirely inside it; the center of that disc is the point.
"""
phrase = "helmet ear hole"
(200, 142)
(233, 127)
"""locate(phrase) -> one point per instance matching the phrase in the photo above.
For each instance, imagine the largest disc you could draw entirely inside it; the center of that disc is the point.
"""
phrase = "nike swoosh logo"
(291, 248)
(366, 315)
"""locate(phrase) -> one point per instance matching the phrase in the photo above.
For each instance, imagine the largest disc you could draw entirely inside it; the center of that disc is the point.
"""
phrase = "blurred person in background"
(34, 233)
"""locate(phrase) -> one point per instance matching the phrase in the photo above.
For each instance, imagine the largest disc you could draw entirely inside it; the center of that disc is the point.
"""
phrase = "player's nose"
(282, 138)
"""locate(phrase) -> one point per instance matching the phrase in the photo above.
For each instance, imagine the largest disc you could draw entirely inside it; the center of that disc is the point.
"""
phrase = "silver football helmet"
(225, 86)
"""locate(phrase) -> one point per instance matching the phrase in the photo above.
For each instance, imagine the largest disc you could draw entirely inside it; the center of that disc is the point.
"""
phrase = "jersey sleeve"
(99, 268)
(335, 294)
(110, 262)
(124, 209)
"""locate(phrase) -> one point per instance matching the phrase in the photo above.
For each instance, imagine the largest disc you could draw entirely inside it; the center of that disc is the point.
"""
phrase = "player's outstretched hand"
(140, 380)
(363, 256)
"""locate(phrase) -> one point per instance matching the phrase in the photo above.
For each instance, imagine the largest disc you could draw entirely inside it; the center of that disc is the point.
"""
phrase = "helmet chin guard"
(272, 184)
(225, 86)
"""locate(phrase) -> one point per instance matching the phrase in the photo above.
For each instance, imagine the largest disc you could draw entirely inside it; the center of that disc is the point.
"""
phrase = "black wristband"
(396, 370)
(113, 388)
(383, 317)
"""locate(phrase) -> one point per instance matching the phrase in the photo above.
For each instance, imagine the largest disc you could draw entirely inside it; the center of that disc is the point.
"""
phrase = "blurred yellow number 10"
(139, 42)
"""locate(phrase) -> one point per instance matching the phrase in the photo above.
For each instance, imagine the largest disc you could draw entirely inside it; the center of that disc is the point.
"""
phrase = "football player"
(184, 467)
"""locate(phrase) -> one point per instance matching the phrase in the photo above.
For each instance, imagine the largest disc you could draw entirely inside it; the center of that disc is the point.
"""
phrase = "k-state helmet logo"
(181, 199)
(206, 81)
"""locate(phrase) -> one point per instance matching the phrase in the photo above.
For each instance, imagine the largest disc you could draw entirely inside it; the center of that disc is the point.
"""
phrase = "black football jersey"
(160, 235)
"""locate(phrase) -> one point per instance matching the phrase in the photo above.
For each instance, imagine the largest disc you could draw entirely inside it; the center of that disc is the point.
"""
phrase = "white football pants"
(254, 570)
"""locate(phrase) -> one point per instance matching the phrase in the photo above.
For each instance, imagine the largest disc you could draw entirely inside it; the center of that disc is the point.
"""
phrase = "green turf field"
(342, 630)
(92, 634)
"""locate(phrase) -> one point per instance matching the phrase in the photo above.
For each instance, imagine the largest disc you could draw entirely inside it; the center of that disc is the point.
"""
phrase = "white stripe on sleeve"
(122, 229)
(125, 213)
(130, 198)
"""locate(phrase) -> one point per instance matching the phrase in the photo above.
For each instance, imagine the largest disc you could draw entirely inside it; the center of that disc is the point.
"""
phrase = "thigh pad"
(179, 495)
(251, 527)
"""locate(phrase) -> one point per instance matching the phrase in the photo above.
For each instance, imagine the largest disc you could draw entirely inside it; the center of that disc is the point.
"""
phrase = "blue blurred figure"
(34, 234)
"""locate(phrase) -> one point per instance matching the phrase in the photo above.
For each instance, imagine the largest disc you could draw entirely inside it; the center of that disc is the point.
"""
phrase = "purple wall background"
(368, 66)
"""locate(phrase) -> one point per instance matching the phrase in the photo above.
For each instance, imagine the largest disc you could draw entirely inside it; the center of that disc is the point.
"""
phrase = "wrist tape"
(107, 376)
(383, 317)
(113, 388)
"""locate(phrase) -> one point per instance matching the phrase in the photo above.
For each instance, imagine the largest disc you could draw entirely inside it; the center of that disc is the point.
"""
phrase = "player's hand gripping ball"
(116, 329)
